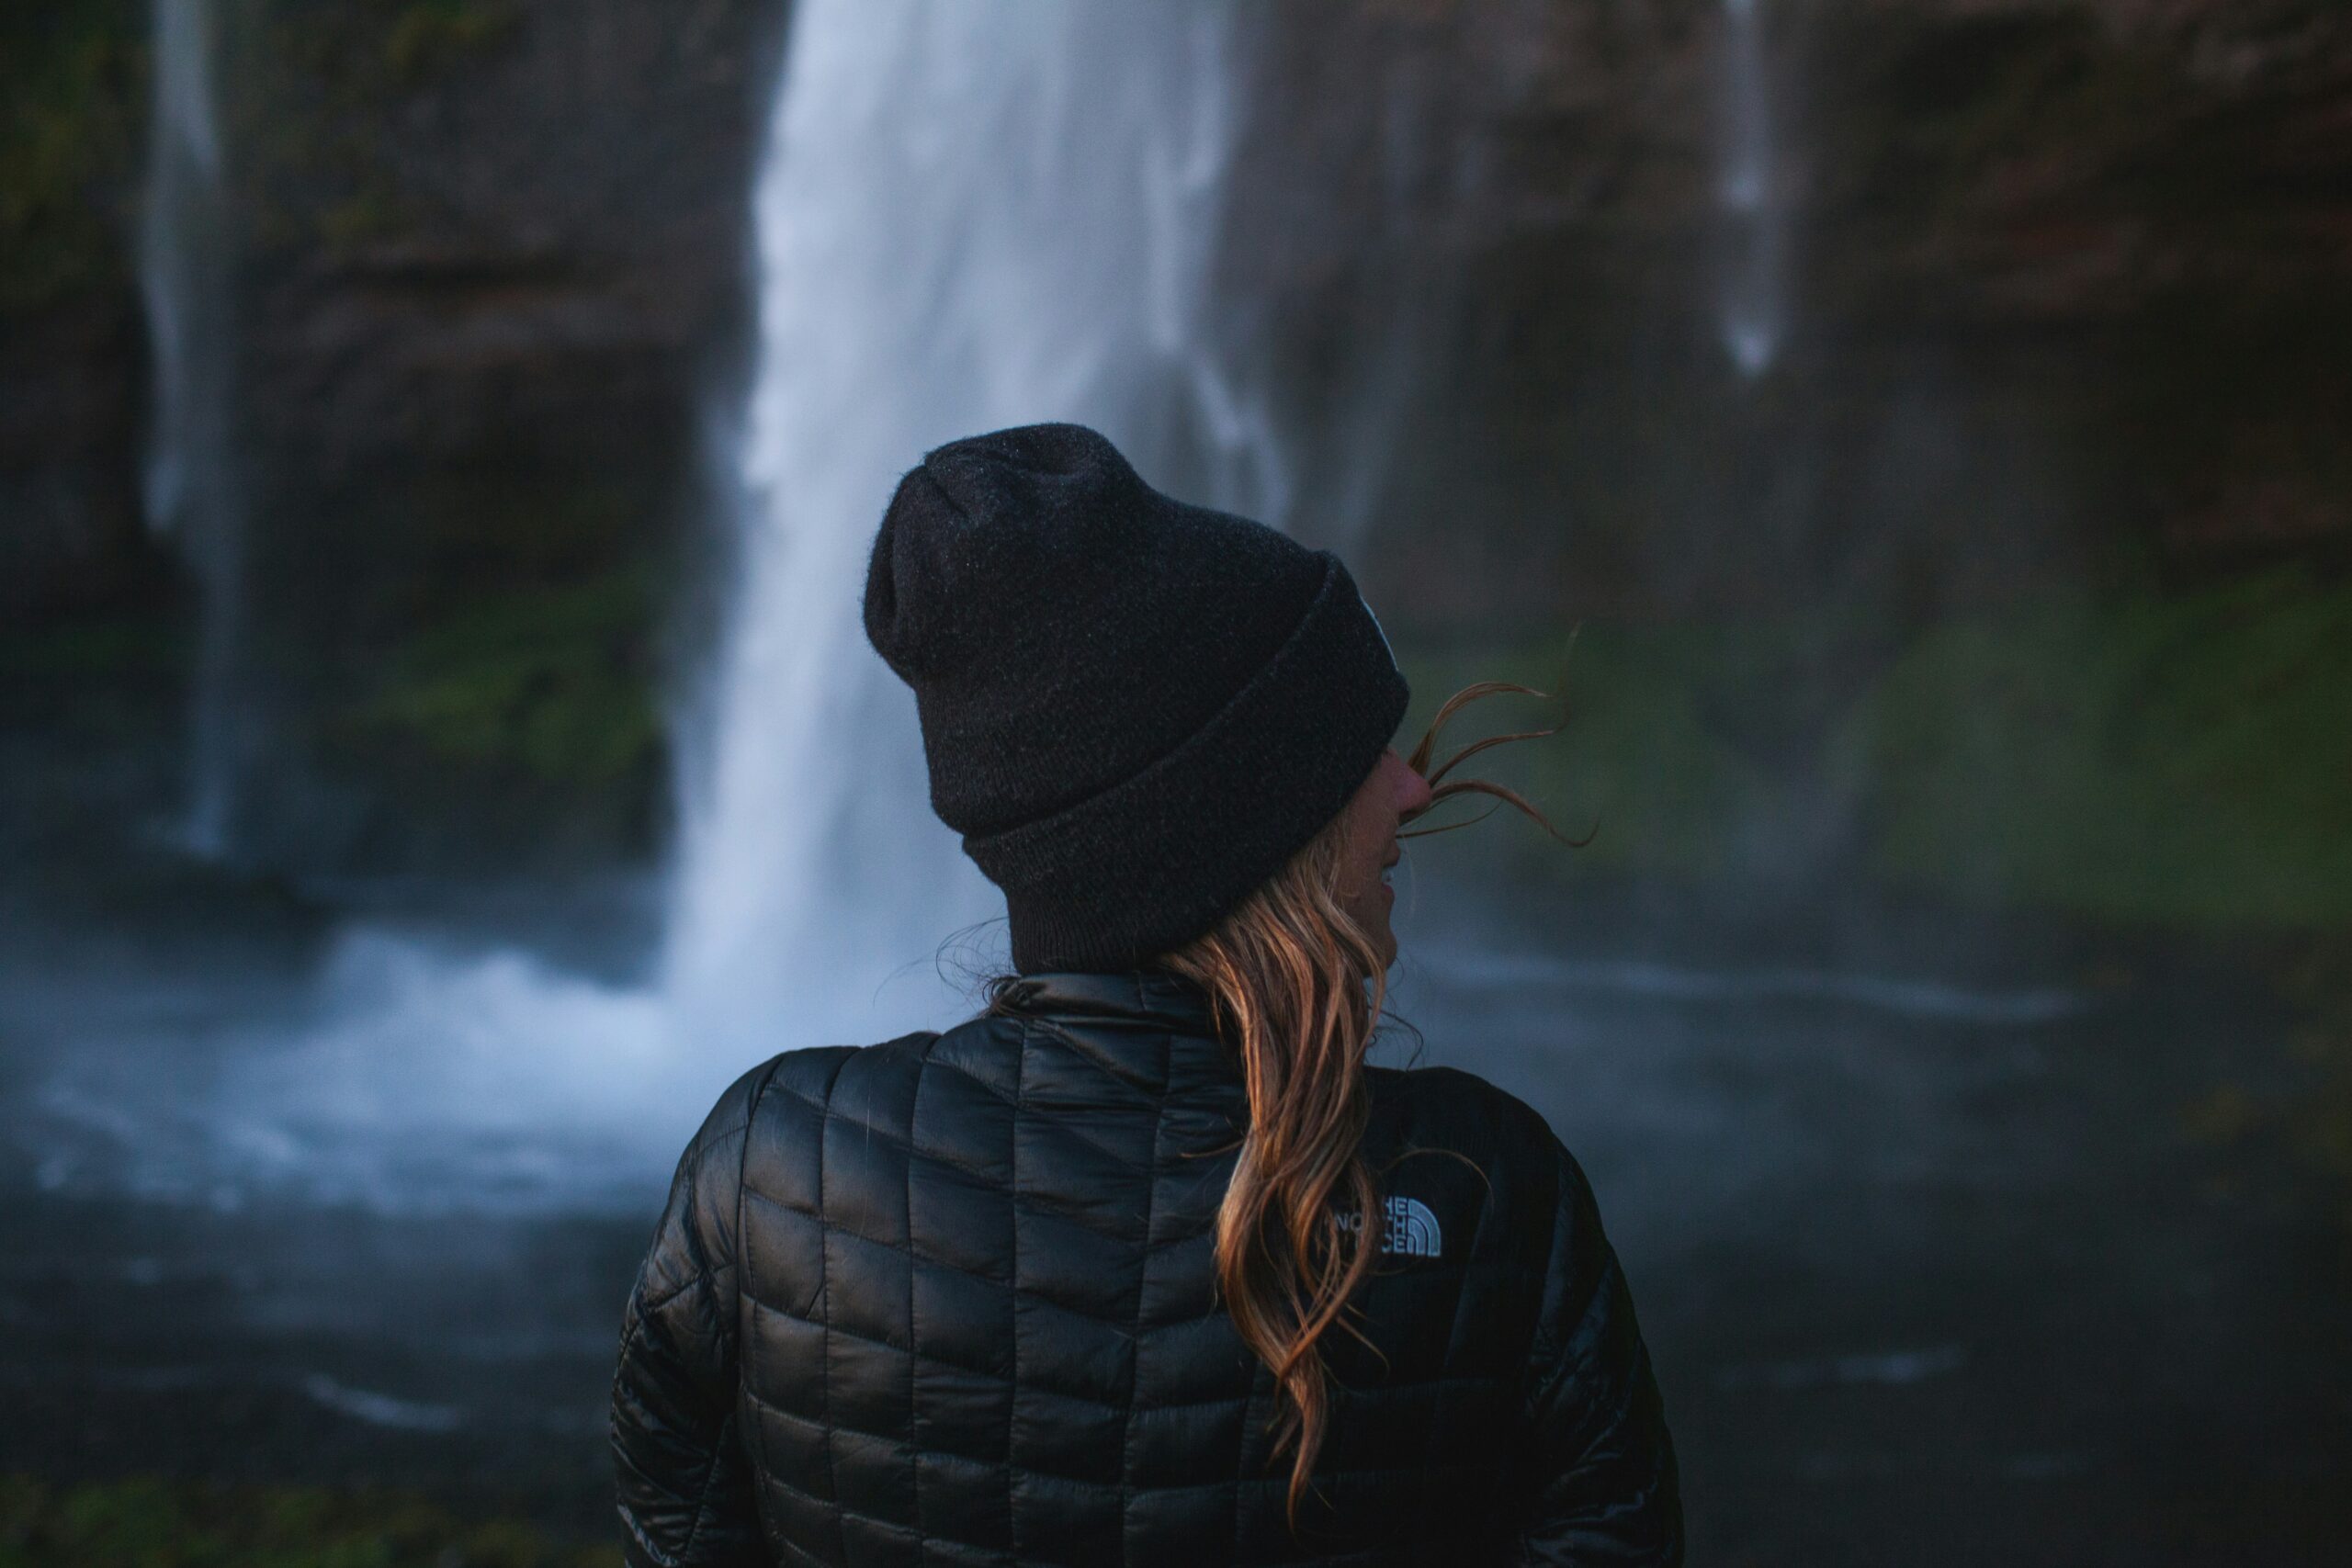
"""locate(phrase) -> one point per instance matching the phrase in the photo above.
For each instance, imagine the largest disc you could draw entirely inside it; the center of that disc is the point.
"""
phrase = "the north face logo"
(1408, 1228)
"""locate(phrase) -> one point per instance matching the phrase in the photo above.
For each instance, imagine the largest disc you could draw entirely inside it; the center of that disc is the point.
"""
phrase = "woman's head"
(1134, 710)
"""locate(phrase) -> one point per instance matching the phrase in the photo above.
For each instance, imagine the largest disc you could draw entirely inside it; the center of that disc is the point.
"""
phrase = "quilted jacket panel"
(950, 1300)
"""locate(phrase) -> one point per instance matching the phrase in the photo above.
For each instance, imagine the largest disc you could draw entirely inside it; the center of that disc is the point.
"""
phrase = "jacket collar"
(1141, 996)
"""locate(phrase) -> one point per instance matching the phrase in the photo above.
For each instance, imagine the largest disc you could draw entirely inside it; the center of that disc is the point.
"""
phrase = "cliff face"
(500, 264)
(491, 259)
(72, 356)
(2064, 283)
(2062, 280)
(500, 252)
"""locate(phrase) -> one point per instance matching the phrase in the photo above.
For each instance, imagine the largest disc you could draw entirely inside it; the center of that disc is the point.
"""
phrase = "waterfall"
(1754, 307)
(969, 217)
(191, 491)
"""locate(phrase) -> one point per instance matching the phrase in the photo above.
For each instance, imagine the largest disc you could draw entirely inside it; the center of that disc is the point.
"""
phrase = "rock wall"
(72, 355)
(492, 263)
(2068, 282)
(499, 273)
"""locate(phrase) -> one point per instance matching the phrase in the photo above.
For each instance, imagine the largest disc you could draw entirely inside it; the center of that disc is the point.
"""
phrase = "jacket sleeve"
(684, 1481)
(1603, 1487)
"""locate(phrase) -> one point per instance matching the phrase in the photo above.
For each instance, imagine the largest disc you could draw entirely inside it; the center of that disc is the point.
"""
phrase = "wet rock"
(2057, 273)
(70, 534)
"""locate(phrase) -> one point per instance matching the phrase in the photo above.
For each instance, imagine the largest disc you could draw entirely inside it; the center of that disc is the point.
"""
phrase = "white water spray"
(970, 217)
(1749, 192)
(192, 491)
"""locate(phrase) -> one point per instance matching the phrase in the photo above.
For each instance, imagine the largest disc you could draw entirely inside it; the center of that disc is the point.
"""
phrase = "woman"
(1143, 1265)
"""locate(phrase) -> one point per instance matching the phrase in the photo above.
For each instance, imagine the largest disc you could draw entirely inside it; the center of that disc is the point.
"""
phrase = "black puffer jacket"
(949, 1301)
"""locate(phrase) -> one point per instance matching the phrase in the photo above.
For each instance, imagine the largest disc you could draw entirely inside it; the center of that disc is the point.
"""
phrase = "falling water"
(191, 483)
(970, 217)
(1754, 307)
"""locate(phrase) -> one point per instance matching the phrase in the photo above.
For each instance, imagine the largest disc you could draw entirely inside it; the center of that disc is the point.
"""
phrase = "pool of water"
(1930, 1267)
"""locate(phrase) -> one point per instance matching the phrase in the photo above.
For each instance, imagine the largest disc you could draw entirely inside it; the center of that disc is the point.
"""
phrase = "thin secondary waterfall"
(1753, 305)
(969, 217)
(191, 481)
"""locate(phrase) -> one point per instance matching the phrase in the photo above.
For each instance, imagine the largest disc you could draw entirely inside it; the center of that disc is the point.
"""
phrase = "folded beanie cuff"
(1160, 857)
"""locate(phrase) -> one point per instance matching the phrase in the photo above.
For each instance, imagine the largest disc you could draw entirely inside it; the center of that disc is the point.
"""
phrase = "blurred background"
(439, 440)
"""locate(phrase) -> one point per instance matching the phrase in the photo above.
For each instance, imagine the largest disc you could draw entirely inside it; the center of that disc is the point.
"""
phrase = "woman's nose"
(1414, 795)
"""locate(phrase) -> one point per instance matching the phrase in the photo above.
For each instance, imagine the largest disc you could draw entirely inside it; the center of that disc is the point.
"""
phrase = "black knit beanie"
(1134, 710)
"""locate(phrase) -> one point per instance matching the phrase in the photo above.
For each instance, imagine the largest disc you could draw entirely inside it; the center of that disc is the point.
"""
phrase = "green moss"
(547, 684)
(323, 79)
(374, 212)
(73, 83)
(99, 648)
(93, 677)
(2185, 759)
(428, 37)
(371, 48)
(2180, 760)
(156, 1524)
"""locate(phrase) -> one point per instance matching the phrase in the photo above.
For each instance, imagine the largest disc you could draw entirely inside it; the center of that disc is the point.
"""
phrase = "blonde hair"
(1296, 985)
